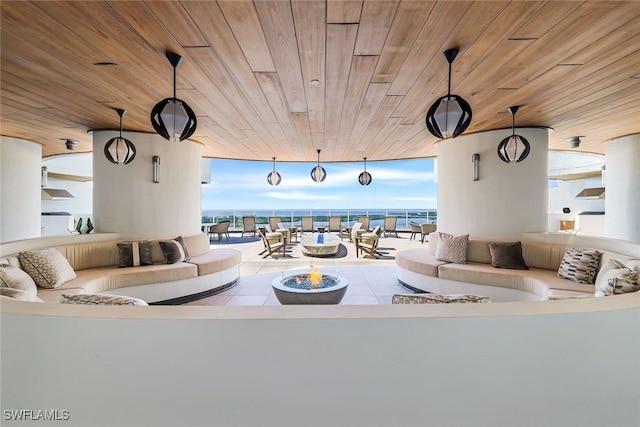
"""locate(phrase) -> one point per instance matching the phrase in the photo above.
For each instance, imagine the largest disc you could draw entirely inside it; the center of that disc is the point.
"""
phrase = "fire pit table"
(309, 287)
(320, 244)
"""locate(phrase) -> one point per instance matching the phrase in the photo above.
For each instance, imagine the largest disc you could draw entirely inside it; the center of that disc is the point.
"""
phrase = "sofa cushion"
(47, 267)
(216, 260)
(616, 278)
(19, 294)
(420, 261)
(134, 254)
(507, 255)
(438, 299)
(452, 248)
(16, 278)
(579, 265)
(94, 299)
(174, 251)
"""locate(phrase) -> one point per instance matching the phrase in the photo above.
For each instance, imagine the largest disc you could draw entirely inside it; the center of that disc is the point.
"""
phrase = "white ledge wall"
(507, 200)
(20, 162)
(622, 200)
(127, 201)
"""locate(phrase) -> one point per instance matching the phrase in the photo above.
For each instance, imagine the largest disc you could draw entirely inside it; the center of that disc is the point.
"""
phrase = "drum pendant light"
(318, 174)
(118, 150)
(365, 177)
(450, 115)
(514, 148)
(172, 118)
(274, 177)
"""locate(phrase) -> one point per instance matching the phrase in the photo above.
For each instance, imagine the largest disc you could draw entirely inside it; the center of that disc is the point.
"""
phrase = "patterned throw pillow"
(438, 299)
(616, 278)
(97, 299)
(174, 250)
(134, 254)
(507, 255)
(16, 278)
(48, 267)
(579, 265)
(452, 248)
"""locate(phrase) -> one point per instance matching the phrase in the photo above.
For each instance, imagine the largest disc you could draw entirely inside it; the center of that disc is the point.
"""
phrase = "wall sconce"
(44, 177)
(156, 169)
(475, 158)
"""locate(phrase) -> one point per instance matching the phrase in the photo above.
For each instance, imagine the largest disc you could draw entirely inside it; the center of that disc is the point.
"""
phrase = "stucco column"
(125, 198)
(20, 190)
(507, 200)
(622, 184)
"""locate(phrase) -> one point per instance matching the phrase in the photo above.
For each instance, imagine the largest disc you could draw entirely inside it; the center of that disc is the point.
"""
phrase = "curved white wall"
(20, 162)
(507, 200)
(622, 199)
(127, 201)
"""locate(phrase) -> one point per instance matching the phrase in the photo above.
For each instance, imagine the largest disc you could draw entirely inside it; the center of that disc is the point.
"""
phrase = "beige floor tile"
(246, 300)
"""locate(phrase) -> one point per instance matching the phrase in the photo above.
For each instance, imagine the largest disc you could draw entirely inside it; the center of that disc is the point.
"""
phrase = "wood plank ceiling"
(573, 66)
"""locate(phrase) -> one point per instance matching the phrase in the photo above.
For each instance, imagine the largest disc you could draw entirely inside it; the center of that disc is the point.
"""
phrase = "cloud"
(300, 195)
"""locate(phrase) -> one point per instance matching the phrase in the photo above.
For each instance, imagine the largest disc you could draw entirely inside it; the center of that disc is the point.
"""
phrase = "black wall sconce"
(475, 159)
(156, 169)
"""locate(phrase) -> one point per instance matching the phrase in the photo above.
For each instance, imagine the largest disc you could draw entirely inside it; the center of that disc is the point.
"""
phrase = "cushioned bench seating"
(208, 271)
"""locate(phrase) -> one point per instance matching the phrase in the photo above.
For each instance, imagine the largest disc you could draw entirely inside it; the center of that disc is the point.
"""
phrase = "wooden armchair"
(273, 242)
(368, 243)
(248, 225)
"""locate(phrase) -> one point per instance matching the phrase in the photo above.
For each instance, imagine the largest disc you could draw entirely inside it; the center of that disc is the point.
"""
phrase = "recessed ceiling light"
(315, 82)
(104, 63)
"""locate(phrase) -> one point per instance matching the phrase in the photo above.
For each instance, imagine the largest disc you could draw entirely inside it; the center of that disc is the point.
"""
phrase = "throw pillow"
(507, 255)
(174, 250)
(18, 295)
(48, 267)
(579, 265)
(97, 299)
(452, 248)
(133, 254)
(16, 278)
(438, 299)
(616, 278)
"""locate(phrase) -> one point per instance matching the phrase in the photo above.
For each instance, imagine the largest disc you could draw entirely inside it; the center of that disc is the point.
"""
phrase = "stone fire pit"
(309, 287)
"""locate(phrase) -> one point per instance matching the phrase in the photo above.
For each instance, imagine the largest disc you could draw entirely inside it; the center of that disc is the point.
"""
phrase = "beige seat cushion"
(216, 260)
(420, 261)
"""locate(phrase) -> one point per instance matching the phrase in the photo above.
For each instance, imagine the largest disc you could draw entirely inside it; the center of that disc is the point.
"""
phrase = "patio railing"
(292, 217)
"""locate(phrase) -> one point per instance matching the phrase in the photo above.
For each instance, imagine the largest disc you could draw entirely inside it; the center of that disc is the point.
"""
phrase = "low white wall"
(334, 366)
(622, 200)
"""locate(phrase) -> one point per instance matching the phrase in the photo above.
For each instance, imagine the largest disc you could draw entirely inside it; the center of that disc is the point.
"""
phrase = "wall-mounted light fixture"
(156, 169)
(70, 143)
(274, 177)
(514, 148)
(575, 141)
(365, 177)
(450, 115)
(475, 159)
(118, 150)
(172, 118)
(318, 174)
(44, 176)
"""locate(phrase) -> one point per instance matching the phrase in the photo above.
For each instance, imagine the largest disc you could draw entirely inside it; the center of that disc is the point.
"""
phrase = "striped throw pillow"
(579, 265)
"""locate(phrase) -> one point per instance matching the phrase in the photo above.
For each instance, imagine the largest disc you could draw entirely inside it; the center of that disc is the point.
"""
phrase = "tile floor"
(371, 280)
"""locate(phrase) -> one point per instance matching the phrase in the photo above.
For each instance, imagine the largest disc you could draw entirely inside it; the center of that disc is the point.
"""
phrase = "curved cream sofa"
(419, 271)
(208, 271)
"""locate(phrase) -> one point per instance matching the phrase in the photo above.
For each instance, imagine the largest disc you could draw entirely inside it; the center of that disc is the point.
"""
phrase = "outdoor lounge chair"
(365, 221)
(306, 224)
(221, 229)
(248, 225)
(390, 223)
(415, 229)
(273, 222)
(425, 230)
(335, 224)
(368, 242)
(273, 242)
(356, 230)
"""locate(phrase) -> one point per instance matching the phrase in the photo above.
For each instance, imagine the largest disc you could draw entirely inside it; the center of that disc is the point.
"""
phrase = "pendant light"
(274, 177)
(172, 118)
(365, 177)
(450, 115)
(120, 151)
(318, 174)
(514, 148)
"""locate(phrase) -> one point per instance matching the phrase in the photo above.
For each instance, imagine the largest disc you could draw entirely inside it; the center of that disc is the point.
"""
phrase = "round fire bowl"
(331, 294)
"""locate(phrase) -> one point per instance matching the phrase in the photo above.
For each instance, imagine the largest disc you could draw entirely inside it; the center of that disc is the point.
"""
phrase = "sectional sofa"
(420, 271)
(95, 264)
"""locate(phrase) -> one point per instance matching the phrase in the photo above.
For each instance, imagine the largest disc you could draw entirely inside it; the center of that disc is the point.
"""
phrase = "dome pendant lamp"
(365, 177)
(514, 148)
(120, 151)
(318, 174)
(172, 118)
(450, 115)
(274, 177)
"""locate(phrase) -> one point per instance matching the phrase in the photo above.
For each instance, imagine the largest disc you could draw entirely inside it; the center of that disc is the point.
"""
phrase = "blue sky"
(397, 184)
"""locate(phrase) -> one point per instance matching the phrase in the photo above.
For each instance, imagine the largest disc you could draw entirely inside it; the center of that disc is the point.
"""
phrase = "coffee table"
(328, 246)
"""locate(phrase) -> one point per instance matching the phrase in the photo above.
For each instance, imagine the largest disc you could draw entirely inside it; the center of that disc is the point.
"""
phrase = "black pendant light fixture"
(365, 177)
(172, 118)
(450, 115)
(274, 177)
(318, 174)
(514, 148)
(120, 151)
